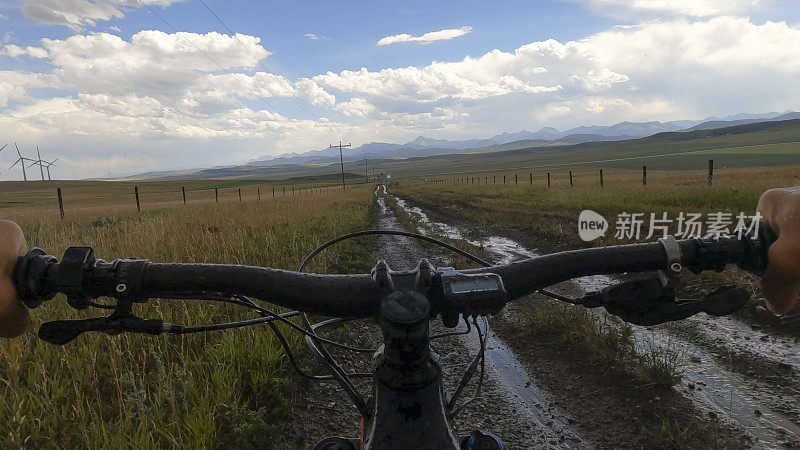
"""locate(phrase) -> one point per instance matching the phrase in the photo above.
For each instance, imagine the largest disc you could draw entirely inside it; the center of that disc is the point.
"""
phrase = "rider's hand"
(780, 283)
(13, 314)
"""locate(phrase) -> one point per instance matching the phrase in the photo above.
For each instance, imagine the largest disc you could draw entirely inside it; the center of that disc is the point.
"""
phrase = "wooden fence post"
(570, 179)
(530, 174)
(601, 177)
(710, 171)
(183, 191)
(644, 175)
(60, 203)
(504, 179)
(136, 193)
(259, 194)
(284, 191)
(548, 179)
(516, 178)
(216, 195)
(240, 195)
(494, 179)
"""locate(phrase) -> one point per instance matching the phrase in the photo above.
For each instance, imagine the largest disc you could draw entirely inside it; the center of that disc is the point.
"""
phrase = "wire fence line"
(204, 195)
(494, 179)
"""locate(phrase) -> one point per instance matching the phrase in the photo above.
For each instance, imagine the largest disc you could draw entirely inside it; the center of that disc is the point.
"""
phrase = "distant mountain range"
(422, 146)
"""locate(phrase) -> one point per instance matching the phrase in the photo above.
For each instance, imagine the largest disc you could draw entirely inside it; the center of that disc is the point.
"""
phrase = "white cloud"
(659, 70)
(356, 107)
(114, 28)
(156, 84)
(311, 36)
(13, 51)
(426, 38)
(77, 14)
(660, 8)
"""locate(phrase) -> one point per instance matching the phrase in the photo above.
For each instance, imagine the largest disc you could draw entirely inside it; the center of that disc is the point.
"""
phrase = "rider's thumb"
(13, 314)
(780, 283)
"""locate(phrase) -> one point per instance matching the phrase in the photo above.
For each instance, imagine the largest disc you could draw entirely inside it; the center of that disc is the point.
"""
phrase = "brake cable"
(339, 373)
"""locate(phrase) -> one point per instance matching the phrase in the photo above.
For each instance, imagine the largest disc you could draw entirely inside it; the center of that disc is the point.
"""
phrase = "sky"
(127, 86)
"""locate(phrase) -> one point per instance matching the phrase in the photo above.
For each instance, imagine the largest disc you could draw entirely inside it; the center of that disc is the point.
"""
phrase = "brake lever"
(651, 300)
(61, 332)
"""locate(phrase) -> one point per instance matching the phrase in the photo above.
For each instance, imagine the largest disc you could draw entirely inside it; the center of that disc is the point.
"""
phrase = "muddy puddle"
(734, 371)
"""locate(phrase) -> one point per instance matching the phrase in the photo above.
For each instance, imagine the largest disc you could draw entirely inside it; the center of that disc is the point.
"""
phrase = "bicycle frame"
(409, 407)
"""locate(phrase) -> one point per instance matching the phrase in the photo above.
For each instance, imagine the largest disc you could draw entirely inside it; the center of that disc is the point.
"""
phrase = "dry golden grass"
(229, 388)
(524, 205)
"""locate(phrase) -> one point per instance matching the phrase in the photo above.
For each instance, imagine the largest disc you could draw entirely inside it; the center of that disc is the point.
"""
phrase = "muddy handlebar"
(81, 277)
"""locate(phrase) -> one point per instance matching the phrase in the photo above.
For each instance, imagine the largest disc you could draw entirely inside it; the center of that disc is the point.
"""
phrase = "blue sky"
(106, 85)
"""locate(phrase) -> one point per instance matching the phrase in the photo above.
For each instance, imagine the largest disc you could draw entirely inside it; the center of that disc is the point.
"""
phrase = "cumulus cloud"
(13, 51)
(76, 14)
(155, 84)
(660, 8)
(311, 36)
(426, 38)
(356, 107)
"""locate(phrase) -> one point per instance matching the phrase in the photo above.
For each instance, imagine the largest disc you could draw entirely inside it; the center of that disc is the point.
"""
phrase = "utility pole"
(366, 175)
(341, 159)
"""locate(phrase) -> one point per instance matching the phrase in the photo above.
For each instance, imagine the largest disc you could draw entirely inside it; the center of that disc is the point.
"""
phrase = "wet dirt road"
(741, 374)
(511, 405)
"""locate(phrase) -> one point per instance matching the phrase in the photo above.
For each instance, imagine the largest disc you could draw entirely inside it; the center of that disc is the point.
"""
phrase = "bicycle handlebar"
(39, 277)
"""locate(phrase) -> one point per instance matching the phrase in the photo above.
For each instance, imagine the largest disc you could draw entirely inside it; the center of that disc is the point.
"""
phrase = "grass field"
(81, 198)
(221, 389)
(548, 216)
(526, 205)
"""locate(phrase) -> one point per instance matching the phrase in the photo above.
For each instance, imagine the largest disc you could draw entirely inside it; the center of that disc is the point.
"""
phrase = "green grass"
(662, 365)
(220, 389)
(608, 341)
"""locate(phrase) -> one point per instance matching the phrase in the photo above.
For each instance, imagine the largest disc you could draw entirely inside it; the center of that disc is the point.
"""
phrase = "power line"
(267, 70)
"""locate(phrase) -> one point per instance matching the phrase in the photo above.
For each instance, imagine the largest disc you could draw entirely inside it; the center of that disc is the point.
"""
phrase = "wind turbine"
(21, 160)
(44, 165)
(41, 168)
(51, 163)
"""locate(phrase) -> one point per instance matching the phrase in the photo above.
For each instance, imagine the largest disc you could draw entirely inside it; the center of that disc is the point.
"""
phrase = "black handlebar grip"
(61, 332)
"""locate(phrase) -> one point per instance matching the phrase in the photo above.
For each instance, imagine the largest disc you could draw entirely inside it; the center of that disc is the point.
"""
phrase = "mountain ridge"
(544, 136)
